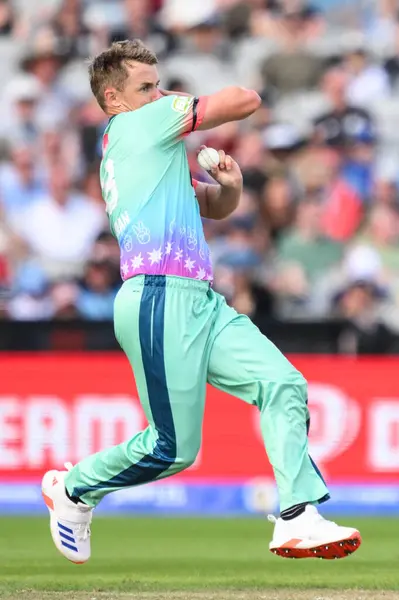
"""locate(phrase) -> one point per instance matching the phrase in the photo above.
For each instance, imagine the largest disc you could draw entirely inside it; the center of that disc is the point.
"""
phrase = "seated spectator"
(21, 183)
(204, 53)
(140, 22)
(21, 99)
(381, 232)
(343, 121)
(318, 171)
(30, 299)
(70, 29)
(7, 17)
(385, 191)
(278, 205)
(60, 228)
(381, 28)
(392, 62)
(243, 290)
(44, 59)
(368, 80)
(293, 68)
(358, 165)
(306, 245)
(63, 296)
(97, 291)
(365, 304)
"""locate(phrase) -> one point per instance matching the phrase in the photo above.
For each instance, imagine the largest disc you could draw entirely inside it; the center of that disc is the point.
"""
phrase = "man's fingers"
(228, 163)
(222, 159)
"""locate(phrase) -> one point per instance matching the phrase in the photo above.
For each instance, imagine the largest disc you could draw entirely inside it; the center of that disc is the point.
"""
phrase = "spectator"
(293, 68)
(369, 82)
(343, 122)
(392, 62)
(21, 182)
(385, 192)
(64, 296)
(69, 27)
(364, 303)
(359, 164)
(204, 53)
(243, 292)
(319, 174)
(382, 29)
(30, 298)
(22, 96)
(140, 22)
(97, 291)
(60, 228)
(278, 205)
(381, 232)
(44, 59)
(7, 17)
(306, 244)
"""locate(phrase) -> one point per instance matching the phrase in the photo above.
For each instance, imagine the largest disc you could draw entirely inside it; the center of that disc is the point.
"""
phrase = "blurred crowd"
(316, 235)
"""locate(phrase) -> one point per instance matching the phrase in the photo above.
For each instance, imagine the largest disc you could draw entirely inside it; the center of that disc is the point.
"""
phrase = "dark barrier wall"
(332, 337)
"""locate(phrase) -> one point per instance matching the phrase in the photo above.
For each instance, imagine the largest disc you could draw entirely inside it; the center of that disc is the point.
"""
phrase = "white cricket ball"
(208, 158)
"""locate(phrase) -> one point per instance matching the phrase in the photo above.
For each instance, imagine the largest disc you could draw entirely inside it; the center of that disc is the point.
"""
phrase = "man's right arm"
(179, 115)
(230, 104)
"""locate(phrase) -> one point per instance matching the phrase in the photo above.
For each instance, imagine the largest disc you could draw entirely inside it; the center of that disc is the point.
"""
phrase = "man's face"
(141, 88)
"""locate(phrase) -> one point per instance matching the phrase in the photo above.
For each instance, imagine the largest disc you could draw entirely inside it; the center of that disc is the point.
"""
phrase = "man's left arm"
(220, 200)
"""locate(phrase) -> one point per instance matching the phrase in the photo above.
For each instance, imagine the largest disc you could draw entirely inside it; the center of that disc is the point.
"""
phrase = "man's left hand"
(227, 173)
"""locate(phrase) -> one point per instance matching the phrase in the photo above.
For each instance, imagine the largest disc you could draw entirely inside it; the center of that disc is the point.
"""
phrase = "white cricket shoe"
(312, 536)
(69, 522)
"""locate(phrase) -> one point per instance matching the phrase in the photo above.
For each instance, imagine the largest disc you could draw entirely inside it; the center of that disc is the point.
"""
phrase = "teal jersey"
(148, 190)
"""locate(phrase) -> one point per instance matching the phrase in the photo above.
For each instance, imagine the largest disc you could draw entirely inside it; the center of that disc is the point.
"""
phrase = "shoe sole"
(335, 550)
(50, 505)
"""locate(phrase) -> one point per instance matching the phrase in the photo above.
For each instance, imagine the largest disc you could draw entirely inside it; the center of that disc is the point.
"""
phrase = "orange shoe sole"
(333, 551)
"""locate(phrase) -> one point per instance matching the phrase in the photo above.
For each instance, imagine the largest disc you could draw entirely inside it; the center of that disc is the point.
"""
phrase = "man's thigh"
(164, 331)
(241, 357)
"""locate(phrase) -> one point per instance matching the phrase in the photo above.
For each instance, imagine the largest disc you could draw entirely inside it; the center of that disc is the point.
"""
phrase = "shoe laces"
(83, 532)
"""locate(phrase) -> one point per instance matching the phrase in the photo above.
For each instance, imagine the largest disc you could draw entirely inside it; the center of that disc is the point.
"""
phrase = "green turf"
(131, 554)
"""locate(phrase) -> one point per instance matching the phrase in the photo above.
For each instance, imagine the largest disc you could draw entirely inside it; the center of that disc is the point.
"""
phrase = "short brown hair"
(109, 67)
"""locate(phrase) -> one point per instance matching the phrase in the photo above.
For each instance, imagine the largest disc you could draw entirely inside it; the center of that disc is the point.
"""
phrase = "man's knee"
(287, 384)
(186, 458)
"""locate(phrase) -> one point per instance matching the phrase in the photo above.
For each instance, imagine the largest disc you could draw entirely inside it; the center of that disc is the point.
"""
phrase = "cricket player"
(177, 332)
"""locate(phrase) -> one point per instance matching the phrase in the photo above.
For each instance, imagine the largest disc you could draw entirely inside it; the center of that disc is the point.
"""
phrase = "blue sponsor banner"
(210, 499)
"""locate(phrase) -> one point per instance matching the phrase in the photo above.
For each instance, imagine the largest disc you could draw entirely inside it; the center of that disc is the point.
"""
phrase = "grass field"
(191, 559)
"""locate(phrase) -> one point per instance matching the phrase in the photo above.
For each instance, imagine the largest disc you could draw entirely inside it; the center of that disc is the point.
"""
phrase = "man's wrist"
(235, 186)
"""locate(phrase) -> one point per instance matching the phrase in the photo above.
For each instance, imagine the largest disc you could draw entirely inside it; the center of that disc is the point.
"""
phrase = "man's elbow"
(250, 101)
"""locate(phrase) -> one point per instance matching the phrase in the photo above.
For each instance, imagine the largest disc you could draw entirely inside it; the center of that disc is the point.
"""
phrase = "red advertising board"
(61, 407)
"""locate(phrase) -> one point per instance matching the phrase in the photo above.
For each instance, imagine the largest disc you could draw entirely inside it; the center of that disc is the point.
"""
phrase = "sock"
(73, 499)
(293, 512)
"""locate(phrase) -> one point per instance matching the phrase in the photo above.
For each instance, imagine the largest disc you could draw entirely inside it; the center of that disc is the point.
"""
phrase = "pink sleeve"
(195, 119)
(199, 115)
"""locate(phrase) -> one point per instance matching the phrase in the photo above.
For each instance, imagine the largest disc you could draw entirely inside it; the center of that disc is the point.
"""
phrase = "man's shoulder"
(166, 104)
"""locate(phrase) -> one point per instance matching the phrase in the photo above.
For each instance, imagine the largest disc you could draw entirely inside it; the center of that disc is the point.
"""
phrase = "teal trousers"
(179, 335)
